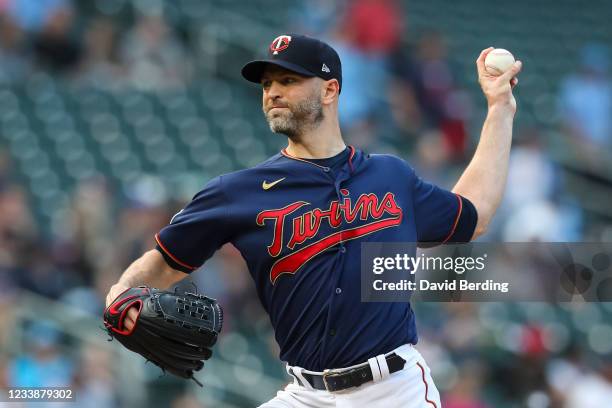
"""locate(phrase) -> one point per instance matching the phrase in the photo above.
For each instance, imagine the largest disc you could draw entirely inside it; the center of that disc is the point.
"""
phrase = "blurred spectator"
(15, 59)
(140, 219)
(430, 74)
(86, 243)
(32, 15)
(462, 330)
(316, 17)
(405, 105)
(517, 377)
(84, 300)
(375, 26)
(41, 275)
(7, 168)
(94, 382)
(534, 221)
(241, 301)
(586, 97)
(467, 390)
(187, 400)
(357, 102)
(585, 104)
(532, 176)
(43, 364)
(154, 56)
(565, 371)
(364, 86)
(55, 49)
(18, 235)
(369, 32)
(593, 390)
(3, 372)
(7, 321)
(431, 158)
(100, 66)
(4, 384)
(18, 232)
(428, 78)
(531, 209)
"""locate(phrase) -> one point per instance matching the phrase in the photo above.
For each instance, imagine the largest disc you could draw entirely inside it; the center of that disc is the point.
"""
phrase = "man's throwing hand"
(498, 89)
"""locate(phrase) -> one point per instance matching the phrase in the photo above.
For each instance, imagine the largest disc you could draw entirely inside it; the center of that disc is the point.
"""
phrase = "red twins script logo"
(383, 214)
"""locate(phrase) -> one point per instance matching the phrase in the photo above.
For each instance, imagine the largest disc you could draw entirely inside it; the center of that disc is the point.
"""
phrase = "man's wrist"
(114, 291)
(501, 108)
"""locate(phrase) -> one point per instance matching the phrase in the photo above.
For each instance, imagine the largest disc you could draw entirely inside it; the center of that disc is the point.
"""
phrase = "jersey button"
(338, 291)
(332, 332)
(326, 169)
(343, 249)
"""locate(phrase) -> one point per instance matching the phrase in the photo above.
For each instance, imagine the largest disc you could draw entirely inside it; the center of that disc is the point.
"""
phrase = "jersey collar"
(350, 159)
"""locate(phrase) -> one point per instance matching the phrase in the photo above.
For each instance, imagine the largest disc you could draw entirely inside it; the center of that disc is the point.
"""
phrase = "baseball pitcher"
(299, 219)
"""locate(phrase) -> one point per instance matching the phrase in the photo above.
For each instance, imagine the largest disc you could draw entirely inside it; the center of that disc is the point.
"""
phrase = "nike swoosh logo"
(266, 186)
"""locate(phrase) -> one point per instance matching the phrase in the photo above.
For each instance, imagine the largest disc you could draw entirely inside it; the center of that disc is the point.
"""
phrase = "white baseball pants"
(411, 387)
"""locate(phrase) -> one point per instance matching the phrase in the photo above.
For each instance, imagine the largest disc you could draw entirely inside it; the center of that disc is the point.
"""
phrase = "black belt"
(336, 381)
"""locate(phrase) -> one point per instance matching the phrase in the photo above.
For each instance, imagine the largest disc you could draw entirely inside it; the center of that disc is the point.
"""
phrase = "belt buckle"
(326, 373)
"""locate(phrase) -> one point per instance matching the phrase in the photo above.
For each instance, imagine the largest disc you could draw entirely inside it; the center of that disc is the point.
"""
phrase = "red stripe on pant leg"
(426, 386)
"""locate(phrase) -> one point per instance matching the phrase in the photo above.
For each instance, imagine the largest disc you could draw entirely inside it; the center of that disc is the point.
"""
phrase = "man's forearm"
(150, 269)
(484, 180)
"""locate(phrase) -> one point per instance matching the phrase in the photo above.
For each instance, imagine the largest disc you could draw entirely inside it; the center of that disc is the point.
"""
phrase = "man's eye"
(265, 84)
(289, 80)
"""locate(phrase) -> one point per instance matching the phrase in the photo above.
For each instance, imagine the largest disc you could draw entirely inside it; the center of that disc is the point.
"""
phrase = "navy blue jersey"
(299, 225)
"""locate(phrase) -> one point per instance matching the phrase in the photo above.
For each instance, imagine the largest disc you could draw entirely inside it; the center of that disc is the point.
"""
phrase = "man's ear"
(330, 91)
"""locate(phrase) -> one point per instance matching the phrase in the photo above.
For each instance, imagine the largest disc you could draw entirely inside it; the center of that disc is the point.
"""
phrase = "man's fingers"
(131, 317)
(480, 62)
(512, 72)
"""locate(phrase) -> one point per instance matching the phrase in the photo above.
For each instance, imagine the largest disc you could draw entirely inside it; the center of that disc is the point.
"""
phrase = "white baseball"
(498, 61)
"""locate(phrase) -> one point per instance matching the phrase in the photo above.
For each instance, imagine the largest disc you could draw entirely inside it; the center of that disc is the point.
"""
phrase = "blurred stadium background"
(113, 113)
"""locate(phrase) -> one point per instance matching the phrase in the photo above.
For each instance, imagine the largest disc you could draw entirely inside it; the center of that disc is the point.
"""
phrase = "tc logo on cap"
(280, 43)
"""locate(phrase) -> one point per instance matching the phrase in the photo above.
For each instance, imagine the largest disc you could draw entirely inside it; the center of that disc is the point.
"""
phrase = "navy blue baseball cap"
(298, 53)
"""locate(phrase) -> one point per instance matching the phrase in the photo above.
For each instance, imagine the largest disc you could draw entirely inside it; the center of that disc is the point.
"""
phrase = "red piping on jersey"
(175, 259)
(426, 386)
(459, 210)
(350, 160)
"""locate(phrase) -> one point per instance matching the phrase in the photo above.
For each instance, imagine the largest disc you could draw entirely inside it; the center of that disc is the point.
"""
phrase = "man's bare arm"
(484, 180)
(150, 269)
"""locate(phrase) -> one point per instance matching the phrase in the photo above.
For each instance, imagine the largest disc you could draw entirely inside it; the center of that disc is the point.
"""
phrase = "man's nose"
(274, 91)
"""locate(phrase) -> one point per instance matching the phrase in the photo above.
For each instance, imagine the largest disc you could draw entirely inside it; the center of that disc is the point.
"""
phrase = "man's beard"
(296, 118)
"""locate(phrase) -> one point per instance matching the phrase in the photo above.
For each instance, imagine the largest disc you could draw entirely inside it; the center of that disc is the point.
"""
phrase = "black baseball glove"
(174, 331)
